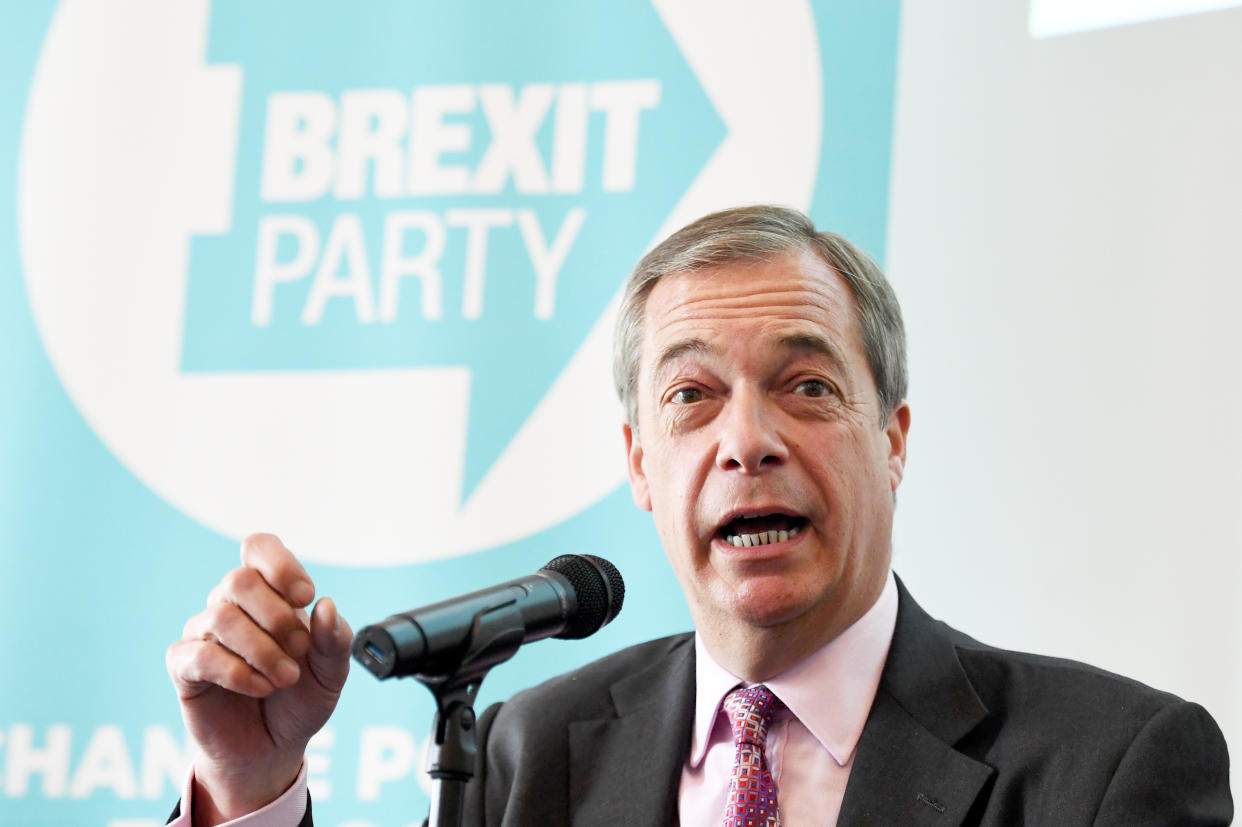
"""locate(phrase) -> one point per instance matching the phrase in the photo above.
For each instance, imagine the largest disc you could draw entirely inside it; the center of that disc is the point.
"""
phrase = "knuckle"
(172, 658)
(237, 672)
(195, 661)
(242, 581)
(221, 615)
(235, 579)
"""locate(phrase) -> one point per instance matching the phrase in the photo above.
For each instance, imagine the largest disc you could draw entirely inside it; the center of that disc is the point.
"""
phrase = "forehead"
(795, 293)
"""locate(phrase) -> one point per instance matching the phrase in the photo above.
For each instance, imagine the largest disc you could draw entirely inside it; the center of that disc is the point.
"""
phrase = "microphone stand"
(496, 633)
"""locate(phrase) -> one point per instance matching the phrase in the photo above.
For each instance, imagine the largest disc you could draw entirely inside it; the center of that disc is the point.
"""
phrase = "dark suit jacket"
(960, 733)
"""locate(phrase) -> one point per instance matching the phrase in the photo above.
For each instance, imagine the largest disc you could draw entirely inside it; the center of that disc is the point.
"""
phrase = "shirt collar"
(830, 692)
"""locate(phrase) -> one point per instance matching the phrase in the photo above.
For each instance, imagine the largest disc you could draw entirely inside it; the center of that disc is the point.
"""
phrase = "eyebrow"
(796, 342)
(676, 350)
(818, 345)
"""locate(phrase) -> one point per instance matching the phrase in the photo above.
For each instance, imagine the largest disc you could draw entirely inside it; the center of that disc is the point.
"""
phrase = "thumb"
(328, 653)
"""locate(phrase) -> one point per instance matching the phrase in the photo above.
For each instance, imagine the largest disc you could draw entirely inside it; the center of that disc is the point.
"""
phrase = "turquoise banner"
(347, 275)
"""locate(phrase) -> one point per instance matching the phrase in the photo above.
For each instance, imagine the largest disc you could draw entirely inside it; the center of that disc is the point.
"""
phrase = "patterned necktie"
(752, 792)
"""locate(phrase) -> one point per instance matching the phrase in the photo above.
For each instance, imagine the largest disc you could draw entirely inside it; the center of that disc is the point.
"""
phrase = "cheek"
(680, 504)
(672, 502)
(849, 473)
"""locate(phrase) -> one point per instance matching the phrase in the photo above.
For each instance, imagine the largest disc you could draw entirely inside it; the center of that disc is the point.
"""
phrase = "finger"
(247, 589)
(228, 626)
(331, 638)
(279, 568)
(197, 665)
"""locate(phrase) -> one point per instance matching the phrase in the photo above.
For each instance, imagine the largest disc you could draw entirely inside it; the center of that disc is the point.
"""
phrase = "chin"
(766, 604)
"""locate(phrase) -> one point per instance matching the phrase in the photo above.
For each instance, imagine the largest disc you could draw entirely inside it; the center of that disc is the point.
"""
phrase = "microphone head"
(599, 589)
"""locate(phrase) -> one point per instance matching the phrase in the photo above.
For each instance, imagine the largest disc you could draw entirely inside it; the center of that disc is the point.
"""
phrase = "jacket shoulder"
(930, 661)
(585, 691)
(1071, 743)
(1063, 742)
(1009, 680)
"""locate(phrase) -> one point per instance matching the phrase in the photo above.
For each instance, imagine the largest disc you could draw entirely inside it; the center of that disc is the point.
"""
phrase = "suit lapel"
(641, 750)
(903, 774)
(906, 770)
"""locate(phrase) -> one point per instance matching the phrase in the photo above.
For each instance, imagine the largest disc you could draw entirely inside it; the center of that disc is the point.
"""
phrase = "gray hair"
(754, 234)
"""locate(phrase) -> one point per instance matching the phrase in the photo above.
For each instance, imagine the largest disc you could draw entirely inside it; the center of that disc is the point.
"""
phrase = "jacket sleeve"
(481, 808)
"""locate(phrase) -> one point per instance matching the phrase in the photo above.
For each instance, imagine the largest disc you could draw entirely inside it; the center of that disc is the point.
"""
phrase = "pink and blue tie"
(752, 792)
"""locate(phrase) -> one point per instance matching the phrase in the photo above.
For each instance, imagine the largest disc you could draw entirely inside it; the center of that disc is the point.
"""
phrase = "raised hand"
(257, 676)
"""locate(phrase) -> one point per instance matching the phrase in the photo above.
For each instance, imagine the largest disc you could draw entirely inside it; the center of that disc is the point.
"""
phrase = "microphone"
(573, 596)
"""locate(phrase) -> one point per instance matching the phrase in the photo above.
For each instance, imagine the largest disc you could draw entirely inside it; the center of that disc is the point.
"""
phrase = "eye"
(813, 388)
(686, 396)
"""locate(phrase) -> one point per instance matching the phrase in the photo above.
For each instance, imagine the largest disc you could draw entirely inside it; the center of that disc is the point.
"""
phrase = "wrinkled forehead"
(787, 299)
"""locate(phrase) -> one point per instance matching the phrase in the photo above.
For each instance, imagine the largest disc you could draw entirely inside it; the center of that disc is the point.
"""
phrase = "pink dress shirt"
(811, 742)
(810, 746)
(285, 811)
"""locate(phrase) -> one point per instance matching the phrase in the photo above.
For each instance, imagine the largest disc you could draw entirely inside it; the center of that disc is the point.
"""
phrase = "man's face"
(760, 449)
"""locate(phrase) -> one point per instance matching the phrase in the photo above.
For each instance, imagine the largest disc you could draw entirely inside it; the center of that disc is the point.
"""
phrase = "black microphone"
(573, 596)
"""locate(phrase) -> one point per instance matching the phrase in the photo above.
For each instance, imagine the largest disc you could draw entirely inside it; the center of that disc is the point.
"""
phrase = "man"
(762, 369)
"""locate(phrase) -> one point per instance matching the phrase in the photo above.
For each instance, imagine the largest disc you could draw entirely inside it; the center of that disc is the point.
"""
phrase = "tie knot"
(751, 709)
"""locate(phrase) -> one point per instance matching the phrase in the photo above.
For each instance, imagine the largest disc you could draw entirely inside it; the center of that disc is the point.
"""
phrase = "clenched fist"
(257, 676)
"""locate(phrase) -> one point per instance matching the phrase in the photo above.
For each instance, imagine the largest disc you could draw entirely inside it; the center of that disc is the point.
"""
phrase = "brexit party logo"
(349, 272)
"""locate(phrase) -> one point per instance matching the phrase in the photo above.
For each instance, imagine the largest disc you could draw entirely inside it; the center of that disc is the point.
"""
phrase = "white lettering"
(344, 269)
(395, 265)
(569, 138)
(23, 760)
(105, 765)
(268, 271)
(297, 156)
(346, 245)
(319, 764)
(622, 101)
(546, 260)
(163, 759)
(403, 144)
(431, 137)
(477, 223)
(373, 122)
(512, 149)
(385, 754)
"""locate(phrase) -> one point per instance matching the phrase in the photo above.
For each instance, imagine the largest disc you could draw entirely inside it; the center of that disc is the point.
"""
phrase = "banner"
(347, 274)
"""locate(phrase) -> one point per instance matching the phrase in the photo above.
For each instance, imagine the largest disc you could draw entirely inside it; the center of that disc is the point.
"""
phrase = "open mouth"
(761, 529)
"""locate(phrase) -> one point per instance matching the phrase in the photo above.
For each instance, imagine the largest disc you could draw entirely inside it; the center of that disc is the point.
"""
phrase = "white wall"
(1063, 237)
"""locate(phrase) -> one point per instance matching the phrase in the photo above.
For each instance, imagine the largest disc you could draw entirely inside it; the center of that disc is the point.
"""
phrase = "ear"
(896, 429)
(638, 477)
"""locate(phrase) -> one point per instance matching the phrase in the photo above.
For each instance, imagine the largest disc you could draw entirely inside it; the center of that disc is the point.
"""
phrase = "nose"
(749, 439)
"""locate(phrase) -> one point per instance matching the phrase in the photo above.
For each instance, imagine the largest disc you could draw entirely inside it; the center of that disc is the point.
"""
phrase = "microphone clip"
(495, 636)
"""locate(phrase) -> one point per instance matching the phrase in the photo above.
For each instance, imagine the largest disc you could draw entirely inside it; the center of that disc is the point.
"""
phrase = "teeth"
(763, 538)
